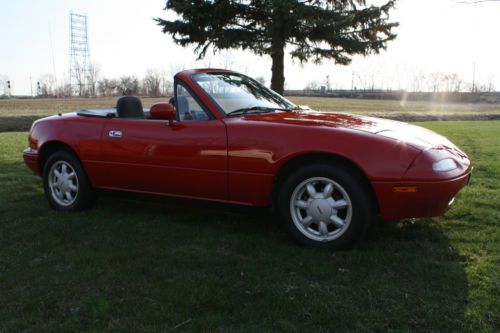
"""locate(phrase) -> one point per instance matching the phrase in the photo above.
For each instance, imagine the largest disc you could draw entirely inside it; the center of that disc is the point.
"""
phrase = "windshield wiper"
(257, 109)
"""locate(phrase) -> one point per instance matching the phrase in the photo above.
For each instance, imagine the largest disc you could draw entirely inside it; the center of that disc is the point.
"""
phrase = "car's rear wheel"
(325, 206)
(65, 183)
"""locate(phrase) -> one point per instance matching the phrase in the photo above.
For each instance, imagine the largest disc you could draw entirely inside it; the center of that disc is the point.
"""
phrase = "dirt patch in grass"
(16, 124)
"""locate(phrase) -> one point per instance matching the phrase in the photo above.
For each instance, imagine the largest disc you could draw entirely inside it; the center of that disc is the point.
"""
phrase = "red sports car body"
(226, 138)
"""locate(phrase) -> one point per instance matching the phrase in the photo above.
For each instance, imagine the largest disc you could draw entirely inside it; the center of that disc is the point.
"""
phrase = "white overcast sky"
(434, 35)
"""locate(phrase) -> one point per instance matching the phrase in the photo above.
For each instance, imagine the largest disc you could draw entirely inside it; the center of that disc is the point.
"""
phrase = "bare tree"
(166, 87)
(153, 82)
(81, 75)
(312, 85)
(3, 84)
(453, 82)
(129, 85)
(434, 81)
(92, 79)
(107, 87)
(457, 83)
(63, 89)
(484, 87)
(491, 86)
(418, 82)
(363, 80)
(444, 82)
(46, 85)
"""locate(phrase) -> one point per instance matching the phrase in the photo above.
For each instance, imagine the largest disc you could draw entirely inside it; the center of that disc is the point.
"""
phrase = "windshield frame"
(281, 101)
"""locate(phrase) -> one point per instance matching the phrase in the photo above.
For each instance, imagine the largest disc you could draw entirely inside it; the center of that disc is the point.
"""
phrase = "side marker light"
(404, 189)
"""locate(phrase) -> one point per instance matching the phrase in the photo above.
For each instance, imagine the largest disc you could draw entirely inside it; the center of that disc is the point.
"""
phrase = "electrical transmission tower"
(79, 62)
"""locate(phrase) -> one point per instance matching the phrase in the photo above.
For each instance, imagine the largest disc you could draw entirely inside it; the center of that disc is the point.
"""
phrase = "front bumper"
(431, 198)
(31, 159)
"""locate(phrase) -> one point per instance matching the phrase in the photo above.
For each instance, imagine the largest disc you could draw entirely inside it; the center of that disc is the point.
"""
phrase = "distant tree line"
(154, 83)
(157, 83)
(435, 82)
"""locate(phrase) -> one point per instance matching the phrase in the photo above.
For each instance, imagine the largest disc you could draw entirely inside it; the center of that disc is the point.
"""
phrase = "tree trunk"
(278, 69)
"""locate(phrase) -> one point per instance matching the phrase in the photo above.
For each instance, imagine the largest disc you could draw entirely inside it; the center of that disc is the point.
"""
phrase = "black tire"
(348, 189)
(57, 193)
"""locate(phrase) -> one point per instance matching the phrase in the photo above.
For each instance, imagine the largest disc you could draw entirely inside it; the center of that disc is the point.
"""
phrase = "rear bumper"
(432, 198)
(32, 160)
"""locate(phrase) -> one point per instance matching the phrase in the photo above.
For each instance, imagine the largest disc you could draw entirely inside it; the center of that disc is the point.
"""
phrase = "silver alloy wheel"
(63, 183)
(321, 209)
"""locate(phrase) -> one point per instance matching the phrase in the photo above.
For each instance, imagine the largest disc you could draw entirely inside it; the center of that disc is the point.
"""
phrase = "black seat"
(129, 107)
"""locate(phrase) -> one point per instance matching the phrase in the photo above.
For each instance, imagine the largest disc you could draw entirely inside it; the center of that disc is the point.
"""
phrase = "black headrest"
(129, 107)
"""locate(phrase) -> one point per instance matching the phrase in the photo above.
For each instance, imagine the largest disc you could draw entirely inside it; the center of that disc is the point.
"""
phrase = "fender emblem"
(115, 134)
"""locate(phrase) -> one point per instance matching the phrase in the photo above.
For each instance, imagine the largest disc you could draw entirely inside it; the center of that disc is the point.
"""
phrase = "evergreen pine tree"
(310, 29)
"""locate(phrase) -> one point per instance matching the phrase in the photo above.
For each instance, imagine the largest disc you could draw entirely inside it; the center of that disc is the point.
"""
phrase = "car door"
(186, 158)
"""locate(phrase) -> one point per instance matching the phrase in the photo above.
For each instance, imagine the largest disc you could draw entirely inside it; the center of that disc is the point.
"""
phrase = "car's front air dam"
(31, 159)
(432, 198)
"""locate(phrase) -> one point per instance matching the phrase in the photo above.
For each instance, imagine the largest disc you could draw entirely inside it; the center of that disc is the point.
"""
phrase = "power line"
(52, 50)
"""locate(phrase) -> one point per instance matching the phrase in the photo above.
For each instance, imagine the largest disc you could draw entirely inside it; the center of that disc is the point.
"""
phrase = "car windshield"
(238, 94)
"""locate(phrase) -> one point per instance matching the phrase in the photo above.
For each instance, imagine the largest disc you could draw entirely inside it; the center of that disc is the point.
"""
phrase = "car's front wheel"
(65, 182)
(325, 206)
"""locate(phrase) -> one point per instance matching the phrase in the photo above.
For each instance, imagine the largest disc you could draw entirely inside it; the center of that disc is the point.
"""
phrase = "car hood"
(414, 135)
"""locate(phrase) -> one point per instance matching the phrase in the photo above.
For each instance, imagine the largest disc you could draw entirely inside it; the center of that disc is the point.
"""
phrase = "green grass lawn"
(137, 263)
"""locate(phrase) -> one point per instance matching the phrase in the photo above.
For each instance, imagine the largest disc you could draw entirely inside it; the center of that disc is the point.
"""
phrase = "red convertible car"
(225, 137)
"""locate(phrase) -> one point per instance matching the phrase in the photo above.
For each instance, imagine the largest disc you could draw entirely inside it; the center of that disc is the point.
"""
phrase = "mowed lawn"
(136, 263)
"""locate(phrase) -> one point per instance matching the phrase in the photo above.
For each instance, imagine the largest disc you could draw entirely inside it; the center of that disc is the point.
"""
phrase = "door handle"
(115, 134)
